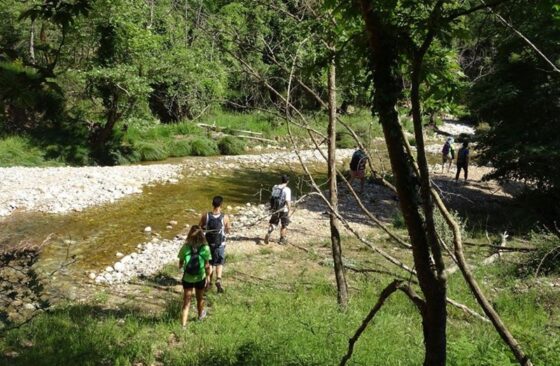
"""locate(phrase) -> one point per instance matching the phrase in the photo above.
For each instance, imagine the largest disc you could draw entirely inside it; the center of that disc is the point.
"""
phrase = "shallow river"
(89, 240)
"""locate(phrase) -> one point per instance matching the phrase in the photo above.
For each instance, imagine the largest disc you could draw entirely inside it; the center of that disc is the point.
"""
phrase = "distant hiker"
(216, 225)
(194, 260)
(447, 154)
(358, 168)
(280, 206)
(463, 160)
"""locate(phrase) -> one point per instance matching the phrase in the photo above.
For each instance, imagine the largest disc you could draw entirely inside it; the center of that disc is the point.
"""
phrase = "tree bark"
(32, 42)
(341, 285)
(388, 88)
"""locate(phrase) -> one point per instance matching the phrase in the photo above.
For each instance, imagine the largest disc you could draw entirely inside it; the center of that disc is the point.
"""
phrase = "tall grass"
(21, 151)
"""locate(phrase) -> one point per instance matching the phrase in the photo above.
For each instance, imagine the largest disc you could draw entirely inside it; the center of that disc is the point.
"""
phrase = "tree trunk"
(32, 42)
(388, 88)
(341, 285)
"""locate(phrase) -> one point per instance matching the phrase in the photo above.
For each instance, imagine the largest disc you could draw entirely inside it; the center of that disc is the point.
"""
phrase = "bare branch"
(385, 294)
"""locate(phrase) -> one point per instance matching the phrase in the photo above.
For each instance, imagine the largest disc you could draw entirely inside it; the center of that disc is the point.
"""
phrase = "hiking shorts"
(280, 217)
(197, 285)
(358, 174)
(218, 255)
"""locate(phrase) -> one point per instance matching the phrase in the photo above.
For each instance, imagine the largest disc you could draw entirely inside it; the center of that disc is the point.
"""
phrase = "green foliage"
(517, 97)
(398, 220)
(229, 145)
(202, 146)
(16, 150)
(545, 261)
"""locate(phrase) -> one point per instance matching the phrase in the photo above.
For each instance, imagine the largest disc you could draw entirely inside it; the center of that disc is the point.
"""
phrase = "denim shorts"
(218, 255)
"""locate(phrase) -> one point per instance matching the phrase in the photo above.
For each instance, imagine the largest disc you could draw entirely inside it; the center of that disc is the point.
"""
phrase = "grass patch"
(21, 151)
(280, 309)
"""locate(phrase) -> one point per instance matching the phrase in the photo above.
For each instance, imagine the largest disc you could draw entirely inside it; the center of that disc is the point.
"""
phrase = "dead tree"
(341, 285)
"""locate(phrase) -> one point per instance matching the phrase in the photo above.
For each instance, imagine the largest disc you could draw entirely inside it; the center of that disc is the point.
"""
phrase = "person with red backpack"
(358, 168)
(447, 154)
(216, 225)
(194, 260)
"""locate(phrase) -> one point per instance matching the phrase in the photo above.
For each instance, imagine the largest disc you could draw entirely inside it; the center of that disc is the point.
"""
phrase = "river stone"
(172, 222)
(92, 276)
(29, 306)
(16, 303)
(169, 227)
(109, 269)
(119, 267)
(148, 229)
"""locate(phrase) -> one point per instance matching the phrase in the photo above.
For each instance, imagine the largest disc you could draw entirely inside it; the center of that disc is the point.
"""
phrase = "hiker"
(216, 225)
(280, 206)
(447, 154)
(194, 260)
(358, 168)
(463, 160)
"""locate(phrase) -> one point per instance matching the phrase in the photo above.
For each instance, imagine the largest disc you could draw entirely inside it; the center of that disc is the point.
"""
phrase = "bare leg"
(219, 287)
(466, 169)
(200, 301)
(283, 231)
(187, 295)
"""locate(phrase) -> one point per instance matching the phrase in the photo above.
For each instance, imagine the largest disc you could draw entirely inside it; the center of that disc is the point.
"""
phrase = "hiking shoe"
(203, 315)
(283, 241)
(266, 238)
(219, 287)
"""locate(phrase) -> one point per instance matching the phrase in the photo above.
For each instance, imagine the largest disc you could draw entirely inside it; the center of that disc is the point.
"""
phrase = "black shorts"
(282, 217)
(197, 285)
(218, 255)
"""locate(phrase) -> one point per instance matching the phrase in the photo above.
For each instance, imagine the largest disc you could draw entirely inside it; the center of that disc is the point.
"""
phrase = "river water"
(89, 240)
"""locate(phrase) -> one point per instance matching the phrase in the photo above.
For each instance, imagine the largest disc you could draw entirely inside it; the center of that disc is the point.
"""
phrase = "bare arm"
(202, 222)
(227, 224)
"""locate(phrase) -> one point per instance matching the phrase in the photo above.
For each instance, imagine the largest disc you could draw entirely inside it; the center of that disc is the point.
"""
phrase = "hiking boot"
(266, 238)
(203, 315)
(283, 241)
(219, 287)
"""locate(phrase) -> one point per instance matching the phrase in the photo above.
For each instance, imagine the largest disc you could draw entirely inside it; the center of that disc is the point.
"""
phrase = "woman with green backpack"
(194, 260)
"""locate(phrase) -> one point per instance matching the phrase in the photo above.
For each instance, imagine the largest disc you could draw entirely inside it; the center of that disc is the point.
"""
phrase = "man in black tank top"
(216, 225)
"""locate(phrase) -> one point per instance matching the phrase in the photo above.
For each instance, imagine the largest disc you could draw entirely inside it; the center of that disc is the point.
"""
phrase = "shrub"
(345, 141)
(544, 261)
(19, 151)
(202, 146)
(398, 220)
(151, 150)
(231, 146)
(180, 148)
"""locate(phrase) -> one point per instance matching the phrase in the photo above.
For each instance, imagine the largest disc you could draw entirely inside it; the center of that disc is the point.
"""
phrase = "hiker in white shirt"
(280, 207)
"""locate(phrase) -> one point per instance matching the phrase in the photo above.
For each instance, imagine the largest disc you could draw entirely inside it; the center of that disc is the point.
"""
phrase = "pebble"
(109, 269)
(29, 307)
(172, 222)
(92, 276)
(148, 229)
(119, 255)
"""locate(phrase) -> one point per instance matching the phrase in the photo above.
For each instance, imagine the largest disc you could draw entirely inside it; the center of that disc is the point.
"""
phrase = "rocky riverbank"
(66, 189)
